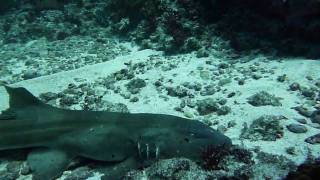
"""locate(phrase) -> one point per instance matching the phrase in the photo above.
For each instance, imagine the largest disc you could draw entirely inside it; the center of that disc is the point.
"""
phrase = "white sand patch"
(186, 70)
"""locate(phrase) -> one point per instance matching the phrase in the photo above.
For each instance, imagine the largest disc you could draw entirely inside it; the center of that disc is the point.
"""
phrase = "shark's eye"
(187, 140)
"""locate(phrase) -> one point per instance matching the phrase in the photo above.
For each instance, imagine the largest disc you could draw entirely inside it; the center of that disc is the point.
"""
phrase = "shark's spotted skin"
(58, 135)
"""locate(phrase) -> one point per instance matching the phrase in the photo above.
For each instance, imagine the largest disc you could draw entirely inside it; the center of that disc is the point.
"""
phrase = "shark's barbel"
(57, 136)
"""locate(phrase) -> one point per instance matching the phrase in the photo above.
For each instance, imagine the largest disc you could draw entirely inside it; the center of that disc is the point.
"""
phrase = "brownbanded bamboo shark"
(57, 136)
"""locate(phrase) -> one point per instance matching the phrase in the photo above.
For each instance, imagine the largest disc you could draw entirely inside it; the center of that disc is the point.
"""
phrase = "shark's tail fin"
(19, 100)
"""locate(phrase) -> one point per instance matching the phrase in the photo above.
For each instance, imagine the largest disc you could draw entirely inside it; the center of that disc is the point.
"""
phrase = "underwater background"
(248, 68)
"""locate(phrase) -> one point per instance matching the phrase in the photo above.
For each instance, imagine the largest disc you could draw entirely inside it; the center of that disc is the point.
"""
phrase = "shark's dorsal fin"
(20, 98)
(20, 101)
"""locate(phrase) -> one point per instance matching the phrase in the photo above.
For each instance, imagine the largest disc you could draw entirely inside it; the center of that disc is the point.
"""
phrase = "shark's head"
(182, 138)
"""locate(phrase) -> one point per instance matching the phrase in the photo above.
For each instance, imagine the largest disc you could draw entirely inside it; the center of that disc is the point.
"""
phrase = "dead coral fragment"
(266, 128)
(263, 98)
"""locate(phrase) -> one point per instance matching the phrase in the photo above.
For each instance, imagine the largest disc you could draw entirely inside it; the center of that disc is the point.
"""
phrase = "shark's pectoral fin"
(48, 163)
(118, 170)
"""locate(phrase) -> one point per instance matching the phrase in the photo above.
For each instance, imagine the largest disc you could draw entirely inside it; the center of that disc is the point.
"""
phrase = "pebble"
(48, 96)
(297, 128)
(308, 93)
(315, 117)
(303, 111)
(315, 139)
(294, 86)
(30, 74)
(302, 121)
(241, 81)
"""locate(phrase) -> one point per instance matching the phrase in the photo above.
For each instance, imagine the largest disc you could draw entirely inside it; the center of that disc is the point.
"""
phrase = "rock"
(25, 170)
(202, 53)
(294, 86)
(48, 96)
(263, 98)
(80, 173)
(223, 110)
(68, 100)
(135, 85)
(178, 91)
(225, 81)
(207, 106)
(282, 78)
(266, 128)
(208, 90)
(315, 139)
(205, 75)
(302, 121)
(231, 94)
(222, 101)
(291, 150)
(223, 66)
(297, 128)
(315, 117)
(256, 76)
(134, 99)
(303, 111)
(241, 81)
(30, 74)
(307, 92)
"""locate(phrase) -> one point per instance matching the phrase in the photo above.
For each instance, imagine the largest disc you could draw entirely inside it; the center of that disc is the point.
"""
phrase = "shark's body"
(58, 135)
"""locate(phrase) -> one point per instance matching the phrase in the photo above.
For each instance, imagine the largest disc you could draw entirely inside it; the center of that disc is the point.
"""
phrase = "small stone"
(315, 117)
(207, 106)
(208, 90)
(223, 65)
(80, 173)
(205, 75)
(307, 92)
(222, 128)
(310, 78)
(231, 94)
(25, 170)
(241, 81)
(68, 100)
(302, 121)
(225, 81)
(303, 111)
(202, 53)
(256, 76)
(188, 114)
(294, 86)
(224, 110)
(135, 85)
(291, 150)
(282, 78)
(297, 128)
(30, 74)
(178, 91)
(48, 96)
(315, 139)
(232, 124)
(134, 99)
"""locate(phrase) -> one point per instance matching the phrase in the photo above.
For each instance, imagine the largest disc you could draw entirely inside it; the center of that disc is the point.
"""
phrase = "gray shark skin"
(57, 136)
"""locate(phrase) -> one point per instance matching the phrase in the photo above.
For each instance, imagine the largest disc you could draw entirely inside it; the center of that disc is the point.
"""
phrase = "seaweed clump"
(213, 155)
